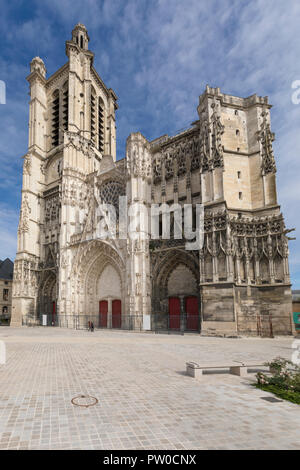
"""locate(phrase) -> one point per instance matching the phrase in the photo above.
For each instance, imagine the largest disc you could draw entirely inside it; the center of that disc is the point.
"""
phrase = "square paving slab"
(144, 398)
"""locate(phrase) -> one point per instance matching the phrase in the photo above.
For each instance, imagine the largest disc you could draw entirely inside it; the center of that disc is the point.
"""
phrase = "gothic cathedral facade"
(236, 283)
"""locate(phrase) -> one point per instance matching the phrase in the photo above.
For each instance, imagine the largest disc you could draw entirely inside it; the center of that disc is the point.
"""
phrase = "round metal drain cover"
(84, 400)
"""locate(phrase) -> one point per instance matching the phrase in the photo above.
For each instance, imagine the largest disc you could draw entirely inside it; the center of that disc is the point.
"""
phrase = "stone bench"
(195, 370)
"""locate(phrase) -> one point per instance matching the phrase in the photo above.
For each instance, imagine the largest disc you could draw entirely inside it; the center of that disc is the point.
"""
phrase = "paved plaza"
(145, 399)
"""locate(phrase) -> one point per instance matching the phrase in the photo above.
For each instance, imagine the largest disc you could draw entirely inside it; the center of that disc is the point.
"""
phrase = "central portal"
(110, 313)
(187, 319)
(107, 281)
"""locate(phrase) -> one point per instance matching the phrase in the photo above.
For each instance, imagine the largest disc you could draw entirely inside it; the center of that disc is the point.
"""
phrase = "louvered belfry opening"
(93, 117)
(101, 127)
(55, 119)
(65, 107)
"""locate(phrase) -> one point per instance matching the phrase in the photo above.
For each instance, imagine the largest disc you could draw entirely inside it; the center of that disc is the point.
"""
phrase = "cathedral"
(237, 282)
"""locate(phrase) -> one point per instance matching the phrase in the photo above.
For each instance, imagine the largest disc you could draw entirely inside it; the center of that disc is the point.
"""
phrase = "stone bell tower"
(71, 127)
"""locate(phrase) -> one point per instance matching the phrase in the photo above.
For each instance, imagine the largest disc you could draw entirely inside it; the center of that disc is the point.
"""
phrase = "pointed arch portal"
(175, 287)
(48, 297)
(102, 279)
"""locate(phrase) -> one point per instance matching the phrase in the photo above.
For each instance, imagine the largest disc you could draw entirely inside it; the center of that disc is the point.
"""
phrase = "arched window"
(252, 269)
(93, 115)
(110, 193)
(208, 268)
(65, 106)
(278, 268)
(243, 270)
(101, 126)
(81, 42)
(55, 119)
(264, 269)
(222, 266)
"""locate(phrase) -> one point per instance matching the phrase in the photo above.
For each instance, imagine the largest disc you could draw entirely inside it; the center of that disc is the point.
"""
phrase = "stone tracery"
(266, 137)
(110, 192)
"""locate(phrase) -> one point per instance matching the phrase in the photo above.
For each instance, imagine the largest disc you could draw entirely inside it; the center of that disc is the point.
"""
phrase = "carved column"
(139, 172)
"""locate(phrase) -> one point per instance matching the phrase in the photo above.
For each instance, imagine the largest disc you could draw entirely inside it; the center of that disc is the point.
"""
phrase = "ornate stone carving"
(27, 164)
(43, 168)
(80, 143)
(204, 150)
(138, 158)
(266, 137)
(185, 152)
(195, 154)
(74, 192)
(24, 215)
(181, 154)
(110, 193)
(52, 209)
(169, 163)
(157, 168)
(217, 129)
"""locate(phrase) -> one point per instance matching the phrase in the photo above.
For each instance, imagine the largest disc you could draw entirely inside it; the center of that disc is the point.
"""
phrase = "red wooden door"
(116, 313)
(174, 313)
(103, 308)
(192, 313)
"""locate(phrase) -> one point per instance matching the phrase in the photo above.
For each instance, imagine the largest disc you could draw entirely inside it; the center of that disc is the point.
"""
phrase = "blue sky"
(157, 55)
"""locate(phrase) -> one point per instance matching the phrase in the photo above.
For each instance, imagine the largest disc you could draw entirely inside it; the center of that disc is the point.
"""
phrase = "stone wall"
(264, 310)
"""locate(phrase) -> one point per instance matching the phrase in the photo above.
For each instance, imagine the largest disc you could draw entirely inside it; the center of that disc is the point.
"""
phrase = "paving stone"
(145, 399)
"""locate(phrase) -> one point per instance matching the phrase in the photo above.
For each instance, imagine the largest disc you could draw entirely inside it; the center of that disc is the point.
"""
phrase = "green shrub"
(284, 380)
(294, 397)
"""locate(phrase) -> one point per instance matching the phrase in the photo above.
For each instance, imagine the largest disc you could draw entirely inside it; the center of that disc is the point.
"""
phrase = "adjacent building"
(6, 280)
(296, 309)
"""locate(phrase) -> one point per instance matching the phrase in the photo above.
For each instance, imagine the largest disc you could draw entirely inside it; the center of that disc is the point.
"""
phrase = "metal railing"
(5, 319)
(180, 324)
(100, 321)
(161, 322)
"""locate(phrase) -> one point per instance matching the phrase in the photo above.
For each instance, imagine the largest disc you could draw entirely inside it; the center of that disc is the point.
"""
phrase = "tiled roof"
(6, 269)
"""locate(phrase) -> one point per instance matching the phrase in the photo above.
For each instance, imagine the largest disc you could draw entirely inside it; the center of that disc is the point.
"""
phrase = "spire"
(80, 36)
(38, 65)
(79, 42)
